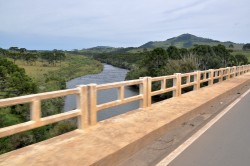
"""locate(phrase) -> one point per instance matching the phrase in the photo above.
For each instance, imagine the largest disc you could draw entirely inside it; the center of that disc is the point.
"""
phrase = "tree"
(22, 50)
(14, 56)
(203, 53)
(231, 46)
(52, 57)
(47, 56)
(241, 59)
(3, 52)
(246, 47)
(13, 49)
(14, 81)
(155, 61)
(223, 53)
(232, 61)
(59, 56)
(30, 58)
(173, 52)
(184, 52)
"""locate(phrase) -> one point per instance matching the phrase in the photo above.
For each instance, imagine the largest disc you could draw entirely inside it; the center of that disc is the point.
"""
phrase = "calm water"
(108, 75)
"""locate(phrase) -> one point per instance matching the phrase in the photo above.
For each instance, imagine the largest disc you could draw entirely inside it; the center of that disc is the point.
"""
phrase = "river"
(108, 75)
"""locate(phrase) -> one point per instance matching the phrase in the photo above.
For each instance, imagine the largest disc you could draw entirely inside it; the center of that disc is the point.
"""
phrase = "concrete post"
(92, 103)
(82, 105)
(197, 79)
(234, 67)
(144, 92)
(228, 72)
(149, 90)
(211, 76)
(35, 110)
(177, 84)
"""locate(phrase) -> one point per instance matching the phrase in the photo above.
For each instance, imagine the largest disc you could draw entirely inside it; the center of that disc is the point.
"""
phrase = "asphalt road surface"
(226, 143)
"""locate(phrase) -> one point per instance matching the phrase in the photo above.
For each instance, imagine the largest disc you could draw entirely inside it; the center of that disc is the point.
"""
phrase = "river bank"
(108, 75)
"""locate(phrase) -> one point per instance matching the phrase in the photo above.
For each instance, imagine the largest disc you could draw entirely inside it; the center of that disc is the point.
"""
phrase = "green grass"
(73, 66)
(37, 70)
(79, 65)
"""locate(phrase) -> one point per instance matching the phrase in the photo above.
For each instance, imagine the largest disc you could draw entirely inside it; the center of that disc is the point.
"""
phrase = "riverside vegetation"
(160, 61)
(196, 52)
(25, 72)
(181, 54)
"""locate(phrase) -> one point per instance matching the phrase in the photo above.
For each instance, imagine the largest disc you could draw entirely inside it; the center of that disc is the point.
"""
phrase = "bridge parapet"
(87, 106)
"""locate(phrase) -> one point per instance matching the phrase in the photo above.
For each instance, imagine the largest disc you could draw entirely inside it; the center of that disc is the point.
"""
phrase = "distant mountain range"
(182, 41)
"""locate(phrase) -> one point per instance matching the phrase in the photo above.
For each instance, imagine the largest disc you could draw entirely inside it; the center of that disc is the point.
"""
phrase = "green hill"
(187, 41)
(182, 41)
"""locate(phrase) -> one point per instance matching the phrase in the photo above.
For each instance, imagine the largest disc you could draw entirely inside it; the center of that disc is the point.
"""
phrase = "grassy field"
(246, 53)
(73, 66)
(37, 70)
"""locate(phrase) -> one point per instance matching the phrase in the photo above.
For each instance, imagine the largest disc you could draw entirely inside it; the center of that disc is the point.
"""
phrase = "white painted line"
(168, 159)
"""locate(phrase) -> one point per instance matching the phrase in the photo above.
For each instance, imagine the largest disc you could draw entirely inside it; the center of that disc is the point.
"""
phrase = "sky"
(78, 24)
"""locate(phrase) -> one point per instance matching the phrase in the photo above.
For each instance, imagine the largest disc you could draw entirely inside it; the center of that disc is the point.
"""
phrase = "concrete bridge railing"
(87, 107)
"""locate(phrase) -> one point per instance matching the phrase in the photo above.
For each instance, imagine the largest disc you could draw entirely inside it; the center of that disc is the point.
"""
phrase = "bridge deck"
(111, 141)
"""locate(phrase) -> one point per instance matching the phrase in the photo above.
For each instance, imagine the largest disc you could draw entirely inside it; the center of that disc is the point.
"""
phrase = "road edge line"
(168, 159)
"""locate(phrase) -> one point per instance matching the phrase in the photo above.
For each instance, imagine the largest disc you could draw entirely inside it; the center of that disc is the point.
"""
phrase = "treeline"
(122, 60)
(120, 57)
(172, 60)
(246, 47)
(31, 56)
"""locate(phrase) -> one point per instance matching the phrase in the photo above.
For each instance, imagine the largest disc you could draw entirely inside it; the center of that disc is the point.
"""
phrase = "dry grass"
(38, 70)
(73, 66)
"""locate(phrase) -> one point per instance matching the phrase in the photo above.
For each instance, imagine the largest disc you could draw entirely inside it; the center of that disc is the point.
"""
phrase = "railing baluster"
(177, 84)
(228, 72)
(82, 100)
(35, 111)
(197, 78)
(92, 103)
(211, 76)
(188, 79)
(149, 90)
(144, 92)
(163, 84)
(121, 93)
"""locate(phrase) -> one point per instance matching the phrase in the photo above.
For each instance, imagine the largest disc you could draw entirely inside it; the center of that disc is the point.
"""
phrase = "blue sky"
(77, 24)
